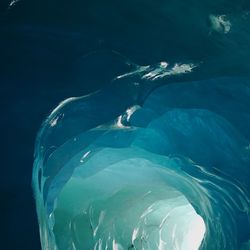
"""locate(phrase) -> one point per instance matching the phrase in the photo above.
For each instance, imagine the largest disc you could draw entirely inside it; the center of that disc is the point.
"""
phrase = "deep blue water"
(52, 50)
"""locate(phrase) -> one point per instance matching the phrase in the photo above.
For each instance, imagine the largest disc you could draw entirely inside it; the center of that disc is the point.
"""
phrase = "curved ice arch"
(153, 134)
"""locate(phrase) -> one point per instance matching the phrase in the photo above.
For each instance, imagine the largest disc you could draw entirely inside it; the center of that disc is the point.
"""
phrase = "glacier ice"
(139, 167)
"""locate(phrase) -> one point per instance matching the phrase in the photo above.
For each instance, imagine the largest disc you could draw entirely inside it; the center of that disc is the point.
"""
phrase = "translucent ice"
(142, 166)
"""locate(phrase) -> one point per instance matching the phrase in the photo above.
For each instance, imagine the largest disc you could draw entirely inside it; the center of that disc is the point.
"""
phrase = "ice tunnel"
(139, 167)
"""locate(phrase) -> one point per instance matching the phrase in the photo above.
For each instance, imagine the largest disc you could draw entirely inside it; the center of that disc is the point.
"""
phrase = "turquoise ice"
(141, 165)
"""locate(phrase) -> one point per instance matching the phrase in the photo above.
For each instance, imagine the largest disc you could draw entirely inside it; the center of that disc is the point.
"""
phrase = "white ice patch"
(160, 70)
(220, 23)
(13, 2)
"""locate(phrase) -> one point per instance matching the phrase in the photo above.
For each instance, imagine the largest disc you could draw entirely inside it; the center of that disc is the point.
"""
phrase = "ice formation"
(142, 166)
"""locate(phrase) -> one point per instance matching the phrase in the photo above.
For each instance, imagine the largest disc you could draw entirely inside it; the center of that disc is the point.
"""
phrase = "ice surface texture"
(140, 165)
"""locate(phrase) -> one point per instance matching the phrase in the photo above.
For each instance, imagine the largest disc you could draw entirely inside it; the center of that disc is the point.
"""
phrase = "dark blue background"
(43, 48)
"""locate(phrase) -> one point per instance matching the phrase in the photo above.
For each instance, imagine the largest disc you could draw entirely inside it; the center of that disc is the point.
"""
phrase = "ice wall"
(142, 166)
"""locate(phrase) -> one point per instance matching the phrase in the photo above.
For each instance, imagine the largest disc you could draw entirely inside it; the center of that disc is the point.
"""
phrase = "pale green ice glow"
(135, 209)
